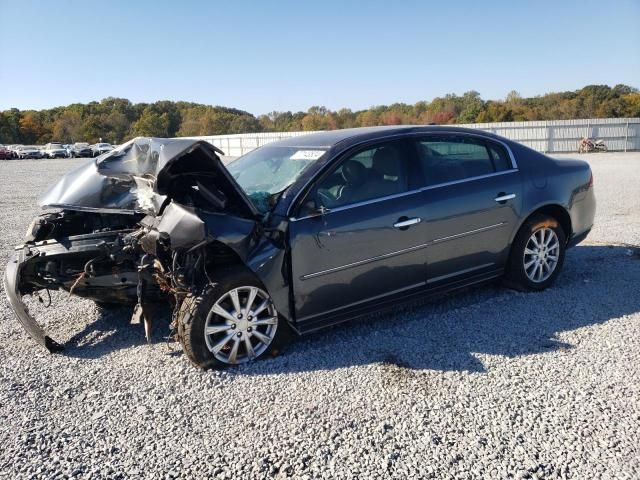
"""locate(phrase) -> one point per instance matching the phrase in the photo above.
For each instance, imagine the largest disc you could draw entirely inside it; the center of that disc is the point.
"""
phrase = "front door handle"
(403, 222)
(503, 197)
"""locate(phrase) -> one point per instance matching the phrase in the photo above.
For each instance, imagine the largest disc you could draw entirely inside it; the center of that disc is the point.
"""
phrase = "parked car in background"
(54, 150)
(302, 233)
(100, 148)
(14, 150)
(81, 149)
(29, 151)
(5, 153)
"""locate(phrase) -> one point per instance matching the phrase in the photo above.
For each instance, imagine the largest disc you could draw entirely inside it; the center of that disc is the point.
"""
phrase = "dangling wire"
(42, 301)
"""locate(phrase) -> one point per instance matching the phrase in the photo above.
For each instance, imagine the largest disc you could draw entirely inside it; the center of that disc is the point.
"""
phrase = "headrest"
(385, 162)
(354, 173)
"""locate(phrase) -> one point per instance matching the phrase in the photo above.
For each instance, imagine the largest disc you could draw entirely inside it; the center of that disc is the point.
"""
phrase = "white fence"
(553, 136)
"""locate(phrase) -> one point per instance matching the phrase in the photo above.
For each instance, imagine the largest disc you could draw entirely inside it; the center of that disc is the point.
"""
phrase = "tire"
(536, 277)
(196, 314)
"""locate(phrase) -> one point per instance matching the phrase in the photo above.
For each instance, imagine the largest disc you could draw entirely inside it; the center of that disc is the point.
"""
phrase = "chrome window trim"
(514, 165)
(470, 179)
(397, 136)
(363, 262)
(398, 195)
(358, 204)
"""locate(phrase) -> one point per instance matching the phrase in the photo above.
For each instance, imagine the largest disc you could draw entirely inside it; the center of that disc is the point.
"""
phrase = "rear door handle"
(503, 197)
(406, 222)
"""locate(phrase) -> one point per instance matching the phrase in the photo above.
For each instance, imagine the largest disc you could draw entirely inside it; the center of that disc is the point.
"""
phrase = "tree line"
(117, 119)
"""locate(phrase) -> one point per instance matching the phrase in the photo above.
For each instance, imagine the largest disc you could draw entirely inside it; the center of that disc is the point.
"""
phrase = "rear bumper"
(14, 296)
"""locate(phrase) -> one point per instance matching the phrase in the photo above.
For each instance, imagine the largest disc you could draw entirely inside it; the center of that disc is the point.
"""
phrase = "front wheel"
(537, 254)
(231, 322)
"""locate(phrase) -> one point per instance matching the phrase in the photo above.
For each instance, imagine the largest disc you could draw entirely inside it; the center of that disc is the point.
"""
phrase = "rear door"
(369, 242)
(473, 202)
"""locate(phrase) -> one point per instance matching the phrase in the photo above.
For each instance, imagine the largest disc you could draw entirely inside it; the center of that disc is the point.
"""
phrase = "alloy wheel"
(541, 255)
(241, 325)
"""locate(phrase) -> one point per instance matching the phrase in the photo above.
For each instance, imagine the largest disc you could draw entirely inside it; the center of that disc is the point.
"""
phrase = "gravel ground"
(488, 383)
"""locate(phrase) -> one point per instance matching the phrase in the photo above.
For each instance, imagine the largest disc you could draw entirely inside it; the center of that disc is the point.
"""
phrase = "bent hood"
(137, 177)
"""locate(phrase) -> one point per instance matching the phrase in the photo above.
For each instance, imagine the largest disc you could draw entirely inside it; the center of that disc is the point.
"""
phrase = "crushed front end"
(82, 253)
(143, 225)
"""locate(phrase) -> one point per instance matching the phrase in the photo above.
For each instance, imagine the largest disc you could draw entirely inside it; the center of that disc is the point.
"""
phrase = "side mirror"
(314, 208)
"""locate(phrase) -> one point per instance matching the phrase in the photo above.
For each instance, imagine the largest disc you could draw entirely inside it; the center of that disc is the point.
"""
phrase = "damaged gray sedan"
(299, 234)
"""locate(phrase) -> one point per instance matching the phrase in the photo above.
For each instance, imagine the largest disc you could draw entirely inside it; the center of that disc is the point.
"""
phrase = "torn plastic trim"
(14, 296)
(78, 208)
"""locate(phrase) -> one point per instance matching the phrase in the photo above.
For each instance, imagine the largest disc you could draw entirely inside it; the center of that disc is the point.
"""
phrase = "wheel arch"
(554, 210)
(265, 264)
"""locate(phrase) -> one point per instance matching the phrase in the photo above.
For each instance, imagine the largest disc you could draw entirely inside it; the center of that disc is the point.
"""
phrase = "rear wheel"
(231, 322)
(537, 254)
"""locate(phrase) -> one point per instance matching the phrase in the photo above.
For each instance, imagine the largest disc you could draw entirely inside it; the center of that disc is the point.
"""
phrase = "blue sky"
(266, 55)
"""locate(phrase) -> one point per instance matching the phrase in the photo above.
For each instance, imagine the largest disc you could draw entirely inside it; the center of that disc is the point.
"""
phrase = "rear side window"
(449, 158)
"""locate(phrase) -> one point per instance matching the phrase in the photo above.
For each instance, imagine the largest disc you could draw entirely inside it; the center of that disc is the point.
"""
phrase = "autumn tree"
(117, 119)
(10, 126)
(67, 127)
(31, 129)
(151, 124)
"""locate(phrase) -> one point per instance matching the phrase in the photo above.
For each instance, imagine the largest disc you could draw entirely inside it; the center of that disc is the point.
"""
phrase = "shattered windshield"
(269, 170)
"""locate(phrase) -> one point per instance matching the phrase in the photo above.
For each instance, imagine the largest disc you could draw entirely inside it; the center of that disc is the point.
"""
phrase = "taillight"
(591, 180)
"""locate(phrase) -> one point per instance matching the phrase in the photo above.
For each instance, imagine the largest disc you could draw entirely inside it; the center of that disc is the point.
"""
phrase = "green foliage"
(151, 124)
(117, 119)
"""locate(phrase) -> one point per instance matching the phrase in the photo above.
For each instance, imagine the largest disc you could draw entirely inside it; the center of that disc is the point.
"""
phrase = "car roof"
(350, 136)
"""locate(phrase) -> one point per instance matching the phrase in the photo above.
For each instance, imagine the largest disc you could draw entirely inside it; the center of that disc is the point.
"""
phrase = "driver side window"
(375, 172)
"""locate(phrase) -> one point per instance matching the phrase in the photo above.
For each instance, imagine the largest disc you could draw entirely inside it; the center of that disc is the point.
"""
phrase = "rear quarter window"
(499, 157)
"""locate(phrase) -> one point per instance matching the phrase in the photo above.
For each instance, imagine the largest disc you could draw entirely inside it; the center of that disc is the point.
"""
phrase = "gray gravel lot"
(489, 383)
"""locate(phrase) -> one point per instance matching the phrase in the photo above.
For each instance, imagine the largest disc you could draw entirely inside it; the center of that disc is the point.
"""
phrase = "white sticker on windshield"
(307, 155)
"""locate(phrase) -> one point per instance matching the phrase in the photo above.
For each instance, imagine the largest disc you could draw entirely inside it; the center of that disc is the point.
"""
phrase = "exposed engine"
(89, 254)
(146, 225)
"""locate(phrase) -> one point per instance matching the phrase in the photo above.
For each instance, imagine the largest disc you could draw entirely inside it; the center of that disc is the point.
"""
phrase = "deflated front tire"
(232, 321)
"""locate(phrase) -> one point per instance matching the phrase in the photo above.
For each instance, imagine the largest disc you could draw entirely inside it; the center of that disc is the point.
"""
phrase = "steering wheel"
(325, 199)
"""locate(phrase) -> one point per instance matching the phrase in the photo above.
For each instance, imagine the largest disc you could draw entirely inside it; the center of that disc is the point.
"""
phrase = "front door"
(368, 242)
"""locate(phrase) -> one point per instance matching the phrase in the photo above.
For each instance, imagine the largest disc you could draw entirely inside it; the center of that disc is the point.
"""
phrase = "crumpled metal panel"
(131, 178)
